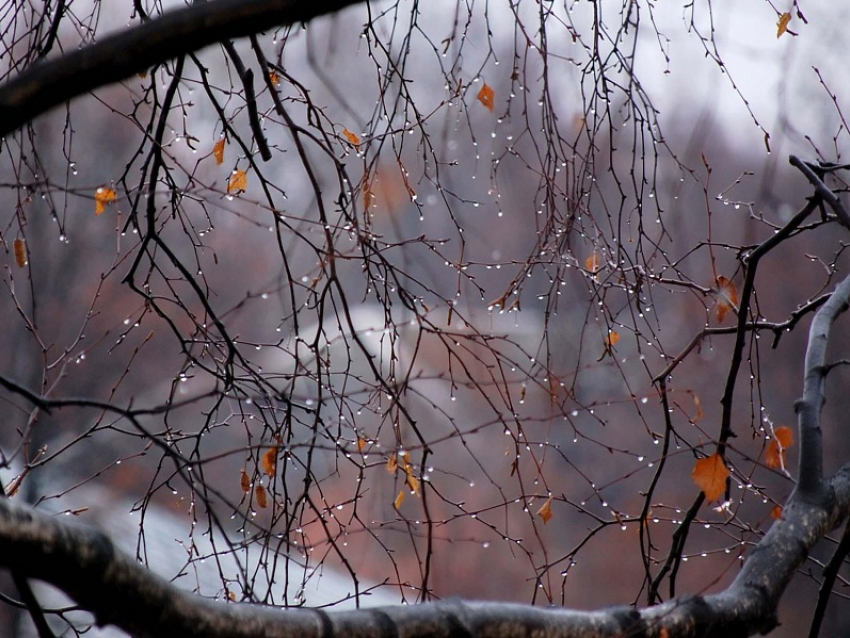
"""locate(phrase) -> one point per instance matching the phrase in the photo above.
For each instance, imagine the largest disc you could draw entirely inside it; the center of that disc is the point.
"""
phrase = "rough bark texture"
(54, 81)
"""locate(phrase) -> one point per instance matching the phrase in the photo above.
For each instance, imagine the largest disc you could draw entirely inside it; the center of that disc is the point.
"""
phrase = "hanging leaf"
(487, 97)
(353, 138)
(592, 263)
(103, 196)
(710, 475)
(218, 151)
(20, 253)
(262, 498)
(270, 462)
(545, 512)
(392, 463)
(775, 455)
(238, 182)
(244, 481)
(727, 294)
(782, 24)
(399, 499)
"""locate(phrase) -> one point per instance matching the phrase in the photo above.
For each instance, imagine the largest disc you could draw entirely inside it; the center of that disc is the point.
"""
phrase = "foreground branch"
(50, 83)
(85, 564)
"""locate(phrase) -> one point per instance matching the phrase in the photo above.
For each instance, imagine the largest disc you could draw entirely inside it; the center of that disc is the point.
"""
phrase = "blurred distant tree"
(428, 294)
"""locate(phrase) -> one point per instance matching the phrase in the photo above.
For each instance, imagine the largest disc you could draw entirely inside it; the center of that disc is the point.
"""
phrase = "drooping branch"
(49, 83)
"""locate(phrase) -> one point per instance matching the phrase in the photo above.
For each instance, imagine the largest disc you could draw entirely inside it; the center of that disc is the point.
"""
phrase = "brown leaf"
(102, 197)
(353, 138)
(782, 24)
(270, 461)
(392, 463)
(774, 457)
(218, 151)
(727, 294)
(710, 475)
(238, 182)
(262, 498)
(487, 97)
(20, 253)
(545, 511)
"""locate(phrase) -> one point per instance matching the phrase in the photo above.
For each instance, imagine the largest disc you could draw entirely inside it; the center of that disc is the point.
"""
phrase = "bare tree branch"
(52, 82)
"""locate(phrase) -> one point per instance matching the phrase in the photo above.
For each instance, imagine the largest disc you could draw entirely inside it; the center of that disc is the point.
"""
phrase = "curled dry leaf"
(270, 461)
(775, 455)
(727, 297)
(545, 511)
(103, 196)
(782, 24)
(20, 253)
(238, 182)
(218, 151)
(487, 97)
(710, 475)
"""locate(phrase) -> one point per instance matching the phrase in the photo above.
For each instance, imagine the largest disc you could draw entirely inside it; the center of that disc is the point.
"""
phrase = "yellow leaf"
(710, 475)
(727, 294)
(399, 499)
(262, 498)
(782, 24)
(545, 511)
(270, 462)
(353, 138)
(392, 463)
(102, 197)
(244, 481)
(775, 455)
(487, 97)
(218, 151)
(238, 182)
(20, 253)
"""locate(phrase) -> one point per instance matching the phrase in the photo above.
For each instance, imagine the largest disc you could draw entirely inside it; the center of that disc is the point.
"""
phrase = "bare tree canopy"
(394, 318)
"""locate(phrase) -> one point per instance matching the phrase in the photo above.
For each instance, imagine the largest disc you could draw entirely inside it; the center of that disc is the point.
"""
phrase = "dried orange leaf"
(102, 197)
(238, 182)
(413, 482)
(545, 511)
(399, 499)
(270, 461)
(353, 138)
(776, 512)
(262, 498)
(20, 253)
(218, 151)
(487, 97)
(699, 413)
(245, 481)
(392, 463)
(727, 294)
(782, 24)
(776, 449)
(710, 475)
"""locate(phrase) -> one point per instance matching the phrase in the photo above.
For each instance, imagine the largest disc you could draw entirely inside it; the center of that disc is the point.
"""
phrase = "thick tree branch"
(52, 82)
(117, 590)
